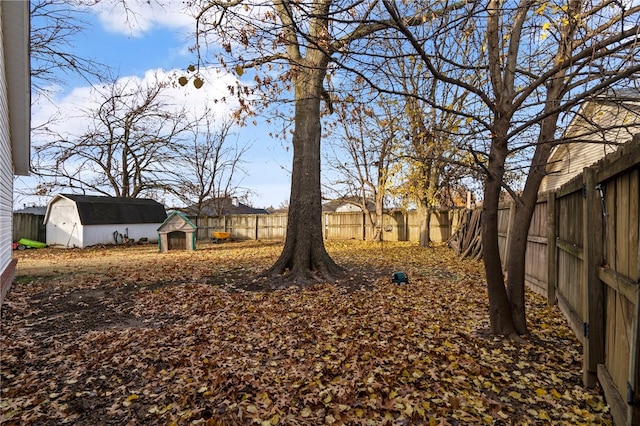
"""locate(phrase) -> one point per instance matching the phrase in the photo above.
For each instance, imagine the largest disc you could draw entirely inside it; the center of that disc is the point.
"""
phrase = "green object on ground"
(31, 243)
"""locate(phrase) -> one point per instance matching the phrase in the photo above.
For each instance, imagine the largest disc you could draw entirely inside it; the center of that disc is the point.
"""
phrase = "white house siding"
(15, 119)
(348, 208)
(575, 157)
(588, 143)
(6, 177)
(103, 234)
(67, 230)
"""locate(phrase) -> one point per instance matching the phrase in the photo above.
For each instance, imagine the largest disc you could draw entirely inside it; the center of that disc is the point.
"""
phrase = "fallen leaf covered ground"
(125, 335)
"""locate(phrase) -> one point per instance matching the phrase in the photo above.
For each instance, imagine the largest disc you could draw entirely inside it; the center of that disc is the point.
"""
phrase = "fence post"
(364, 226)
(256, 217)
(593, 289)
(552, 256)
(405, 221)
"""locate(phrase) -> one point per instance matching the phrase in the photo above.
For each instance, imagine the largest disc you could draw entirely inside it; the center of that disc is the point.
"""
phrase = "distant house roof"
(97, 210)
(351, 204)
(35, 210)
(224, 206)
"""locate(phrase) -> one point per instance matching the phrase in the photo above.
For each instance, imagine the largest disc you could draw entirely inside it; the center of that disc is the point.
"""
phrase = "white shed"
(87, 220)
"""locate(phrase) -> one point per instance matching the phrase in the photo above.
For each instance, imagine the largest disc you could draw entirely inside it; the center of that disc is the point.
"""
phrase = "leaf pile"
(178, 340)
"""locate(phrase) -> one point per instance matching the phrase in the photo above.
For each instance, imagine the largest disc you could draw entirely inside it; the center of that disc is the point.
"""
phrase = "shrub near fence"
(397, 226)
(582, 254)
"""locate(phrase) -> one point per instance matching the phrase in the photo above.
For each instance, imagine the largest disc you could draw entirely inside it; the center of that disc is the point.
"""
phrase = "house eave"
(15, 29)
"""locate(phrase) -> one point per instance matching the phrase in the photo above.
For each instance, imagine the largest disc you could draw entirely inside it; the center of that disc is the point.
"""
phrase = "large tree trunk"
(304, 259)
(517, 245)
(499, 309)
(525, 208)
(516, 265)
(376, 224)
(424, 214)
(524, 212)
(375, 218)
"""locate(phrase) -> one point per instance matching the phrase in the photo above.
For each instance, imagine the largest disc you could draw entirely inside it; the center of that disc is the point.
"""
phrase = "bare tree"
(435, 162)
(540, 60)
(208, 163)
(55, 24)
(432, 167)
(126, 149)
(362, 142)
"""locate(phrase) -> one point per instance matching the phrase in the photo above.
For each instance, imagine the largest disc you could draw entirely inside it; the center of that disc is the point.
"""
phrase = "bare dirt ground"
(126, 335)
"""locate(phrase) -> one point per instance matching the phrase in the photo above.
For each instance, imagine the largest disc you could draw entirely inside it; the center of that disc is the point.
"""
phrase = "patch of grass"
(29, 279)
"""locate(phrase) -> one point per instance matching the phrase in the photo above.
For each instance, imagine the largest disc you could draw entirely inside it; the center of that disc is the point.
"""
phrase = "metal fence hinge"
(585, 329)
(584, 191)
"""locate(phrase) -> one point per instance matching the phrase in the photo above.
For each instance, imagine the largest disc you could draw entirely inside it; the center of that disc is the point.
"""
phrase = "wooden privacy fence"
(582, 254)
(30, 226)
(397, 226)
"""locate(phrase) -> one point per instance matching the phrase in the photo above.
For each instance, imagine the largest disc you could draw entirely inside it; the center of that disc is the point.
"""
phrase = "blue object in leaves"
(399, 278)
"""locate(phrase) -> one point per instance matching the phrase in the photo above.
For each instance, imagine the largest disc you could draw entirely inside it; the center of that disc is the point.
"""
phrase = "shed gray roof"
(96, 210)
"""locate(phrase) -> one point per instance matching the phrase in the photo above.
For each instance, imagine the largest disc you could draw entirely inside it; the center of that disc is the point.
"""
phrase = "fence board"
(28, 226)
(611, 394)
(242, 227)
(634, 221)
(619, 319)
(397, 226)
(537, 250)
(594, 347)
(569, 244)
(610, 225)
(621, 218)
(272, 227)
(633, 410)
(394, 227)
(344, 226)
(552, 254)
(505, 218)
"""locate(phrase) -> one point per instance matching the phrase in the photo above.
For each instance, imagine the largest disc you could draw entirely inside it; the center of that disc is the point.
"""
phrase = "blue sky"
(157, 41)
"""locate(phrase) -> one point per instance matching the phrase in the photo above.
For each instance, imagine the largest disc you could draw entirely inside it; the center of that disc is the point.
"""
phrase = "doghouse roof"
(96, 210)
(177, 221)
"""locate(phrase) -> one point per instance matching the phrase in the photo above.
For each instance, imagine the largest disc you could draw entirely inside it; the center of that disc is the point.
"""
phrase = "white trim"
(15, 31)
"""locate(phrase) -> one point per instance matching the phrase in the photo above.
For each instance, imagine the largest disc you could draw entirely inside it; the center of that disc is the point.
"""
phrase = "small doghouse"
(177, 233)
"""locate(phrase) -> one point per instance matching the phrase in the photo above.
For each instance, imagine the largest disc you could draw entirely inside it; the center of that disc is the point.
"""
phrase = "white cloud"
(137, 17)
(70, 111)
